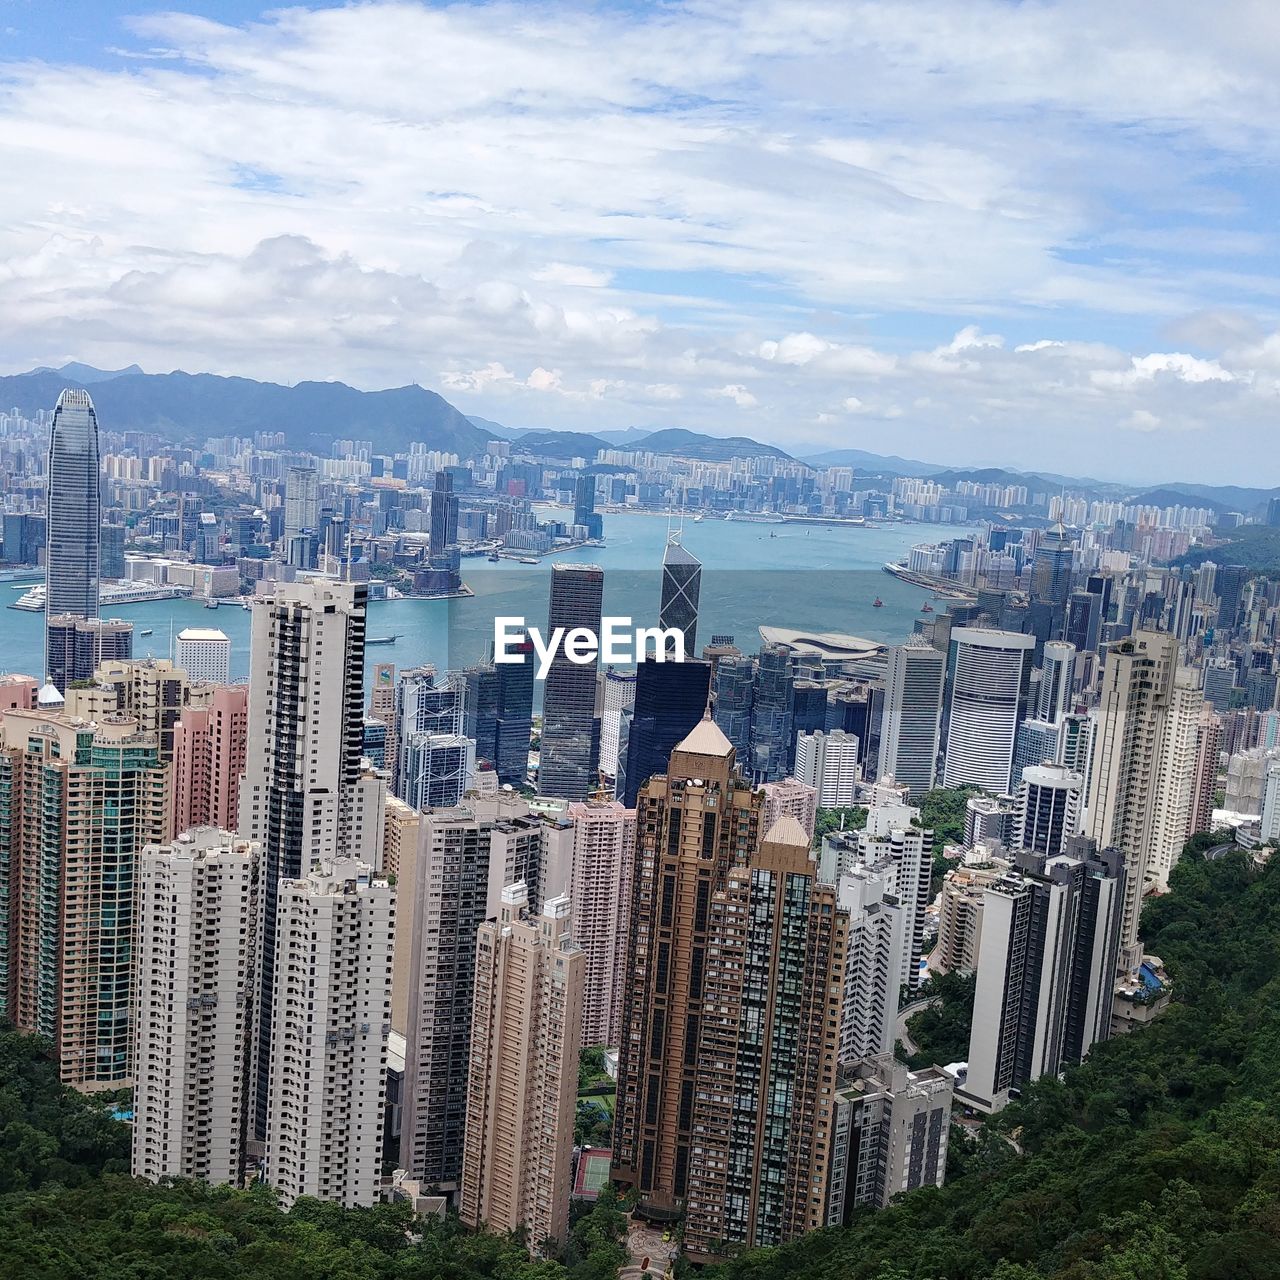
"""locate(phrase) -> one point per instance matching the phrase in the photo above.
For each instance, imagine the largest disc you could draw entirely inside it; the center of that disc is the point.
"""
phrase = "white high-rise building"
(1057, 680)
(204, 653)
(900, 853)
(328, 1075)
(873, 968)
(909, 731)
(305, 797)
(828, 762)
(1140, 790)
(196, 919)
(604, 837)
(990, 676)
(301, 501)
(617, 692)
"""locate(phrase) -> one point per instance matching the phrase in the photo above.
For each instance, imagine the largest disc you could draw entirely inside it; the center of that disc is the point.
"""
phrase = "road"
(1212, 855)
(906, 1012)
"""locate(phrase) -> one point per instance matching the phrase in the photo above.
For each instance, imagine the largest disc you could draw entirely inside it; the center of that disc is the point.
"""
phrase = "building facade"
(197, 915)
(523, 1073)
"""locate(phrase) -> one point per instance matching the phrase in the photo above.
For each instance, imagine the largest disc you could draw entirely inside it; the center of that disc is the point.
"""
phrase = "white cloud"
(739, 395)
(738, 207)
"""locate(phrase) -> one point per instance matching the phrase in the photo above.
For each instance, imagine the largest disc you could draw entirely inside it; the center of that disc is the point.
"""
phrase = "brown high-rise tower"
(730, 1026)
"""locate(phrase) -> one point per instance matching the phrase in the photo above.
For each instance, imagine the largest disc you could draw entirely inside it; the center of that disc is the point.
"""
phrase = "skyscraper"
(878, 927)
(1057, 676)
(472, 852)
(303, 797)
(209, 748)
(685, 847)
(670, 699)
(1051, 569)
(444, 514)
(1050, 806)
(890, 1134)
(766, 1052)
(604, 835)
(829, 763)
(912, 712)
(523, 1072)
(772, 715)
(78, 801)
(1143, 764)
(74, 519)
(681, 585)
(1205, 781)
(584, 504)
(204, 653)
(989, 674)
(301, 502)
(515, 716)
(1046, 966)
(328, 1063)
(75, 647)
(197, 915)
(617, 694)
(569, 750)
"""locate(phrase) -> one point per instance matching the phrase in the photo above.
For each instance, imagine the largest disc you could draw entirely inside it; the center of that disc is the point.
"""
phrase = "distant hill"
(1255, 546)
(494, 428)
(311, 414)
(889, 464)
(626, 439)
(558, 444)
(693, 444)
(1174, 496)
(1223, 497)
(86, 375)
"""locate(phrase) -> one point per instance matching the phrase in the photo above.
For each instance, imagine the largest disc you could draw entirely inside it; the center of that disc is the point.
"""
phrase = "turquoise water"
(814, 577)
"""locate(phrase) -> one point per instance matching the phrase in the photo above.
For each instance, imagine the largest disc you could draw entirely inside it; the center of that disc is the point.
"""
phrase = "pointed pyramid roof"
(787, 830)
(48, 696)
(706, 739)
(678, 553)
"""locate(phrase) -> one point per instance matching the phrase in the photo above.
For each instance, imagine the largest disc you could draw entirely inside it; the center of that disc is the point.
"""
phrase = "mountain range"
(312, 415)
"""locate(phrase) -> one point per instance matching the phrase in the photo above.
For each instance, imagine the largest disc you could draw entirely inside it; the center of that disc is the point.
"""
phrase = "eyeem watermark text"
(618, 644)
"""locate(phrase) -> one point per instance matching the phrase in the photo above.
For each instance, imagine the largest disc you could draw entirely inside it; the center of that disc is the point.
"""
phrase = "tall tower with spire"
(74, 516)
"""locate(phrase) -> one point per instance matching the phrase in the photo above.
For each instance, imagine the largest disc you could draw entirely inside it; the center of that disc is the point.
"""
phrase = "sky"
(1028, 234)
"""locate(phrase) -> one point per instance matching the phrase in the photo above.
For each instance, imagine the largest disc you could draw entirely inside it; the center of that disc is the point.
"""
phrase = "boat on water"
(494, 557)
(210, 604)
(877, 603)
(529, 560)
(391, 639)
(926, 607)
(148, 633)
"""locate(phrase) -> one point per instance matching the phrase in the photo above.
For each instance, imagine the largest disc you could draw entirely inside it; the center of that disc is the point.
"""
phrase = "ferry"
(529, 560)
(877, 603)
(926, 607)
(210, 604)
(148, 633)
(391, 639)
(494, 557)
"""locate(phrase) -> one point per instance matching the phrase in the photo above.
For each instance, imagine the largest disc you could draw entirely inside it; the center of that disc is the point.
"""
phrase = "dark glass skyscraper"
(570, 735)
(670, 700)
(515, 716)
(681, 582)
(444, 514)
(74, 510)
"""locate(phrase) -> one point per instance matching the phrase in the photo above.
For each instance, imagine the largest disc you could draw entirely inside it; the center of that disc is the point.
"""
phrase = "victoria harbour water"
(809, 577)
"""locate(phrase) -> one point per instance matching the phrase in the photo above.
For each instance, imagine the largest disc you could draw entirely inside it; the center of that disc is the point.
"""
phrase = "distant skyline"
(1039, 236)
